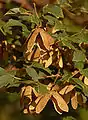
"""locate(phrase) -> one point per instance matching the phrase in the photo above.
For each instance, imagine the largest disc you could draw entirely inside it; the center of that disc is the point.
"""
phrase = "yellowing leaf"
(74, 101)
(86, 80)
(70, 88)
(42, 103)
(60, 101)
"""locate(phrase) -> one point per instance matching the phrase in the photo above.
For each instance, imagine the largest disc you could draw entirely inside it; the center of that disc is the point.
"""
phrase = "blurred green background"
(10, 110)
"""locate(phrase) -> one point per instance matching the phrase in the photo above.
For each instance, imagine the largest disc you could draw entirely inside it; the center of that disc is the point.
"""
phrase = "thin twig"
(52, 76)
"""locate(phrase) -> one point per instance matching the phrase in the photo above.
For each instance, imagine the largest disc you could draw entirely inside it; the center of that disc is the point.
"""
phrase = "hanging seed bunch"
(41, 48)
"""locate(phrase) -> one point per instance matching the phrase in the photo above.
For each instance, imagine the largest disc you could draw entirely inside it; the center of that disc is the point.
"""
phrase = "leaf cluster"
(44, 56)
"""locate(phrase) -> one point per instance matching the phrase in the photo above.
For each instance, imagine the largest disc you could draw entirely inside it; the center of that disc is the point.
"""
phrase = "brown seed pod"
(60, 101)
(42, 103)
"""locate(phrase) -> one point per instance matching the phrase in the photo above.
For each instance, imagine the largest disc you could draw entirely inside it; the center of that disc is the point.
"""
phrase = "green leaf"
(55, 10)
(13, 97)
(80, 37)
(70, 26)
(84, 72)
(41, 88)
(58, 26)
(6, 80)
(79, 65)
(79, 56)
(78, 81)
(11, 22)
(40, 66)
(68, 43)
(69, 118)
(66, 77)
(32, 73)
(2, 71)
(50, 19)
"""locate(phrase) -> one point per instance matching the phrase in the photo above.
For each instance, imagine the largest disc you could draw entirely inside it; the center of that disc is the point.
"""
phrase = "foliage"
(43, 55)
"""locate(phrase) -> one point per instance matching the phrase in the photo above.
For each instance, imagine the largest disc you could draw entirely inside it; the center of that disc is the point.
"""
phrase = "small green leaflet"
(79, 56)
(41, 88)
(79, 65)
(32, 73)
(6, 78)
(40, 66)
(84, 72)
(78, 81)
(50, 19)
(2, 72)
(12, 22)
(55, 10)
(59, 26)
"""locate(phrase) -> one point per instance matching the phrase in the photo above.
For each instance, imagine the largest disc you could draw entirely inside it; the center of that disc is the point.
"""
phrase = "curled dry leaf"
(47, 39)
(56, 105)
(32, 40)
(86, 80)
(34, 55)
(60, 101)
(74, 101)
(42, 103)
(22, 91)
